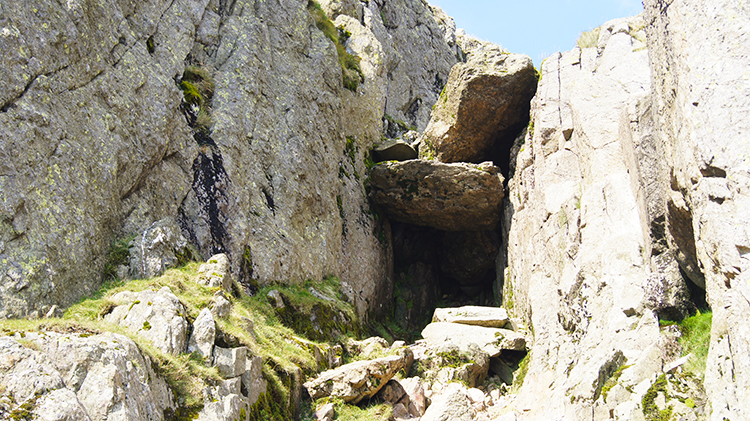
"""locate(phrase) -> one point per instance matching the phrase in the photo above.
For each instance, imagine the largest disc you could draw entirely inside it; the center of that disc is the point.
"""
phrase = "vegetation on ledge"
(350, 70)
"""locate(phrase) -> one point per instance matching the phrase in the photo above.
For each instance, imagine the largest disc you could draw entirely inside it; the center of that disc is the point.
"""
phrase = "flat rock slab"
(449, 197)
(359, 380)
(473, 315)
(490, 340)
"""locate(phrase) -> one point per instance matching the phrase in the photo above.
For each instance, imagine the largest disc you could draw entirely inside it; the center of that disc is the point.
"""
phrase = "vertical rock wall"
(578, 227)
(701, 90)
(95, 146)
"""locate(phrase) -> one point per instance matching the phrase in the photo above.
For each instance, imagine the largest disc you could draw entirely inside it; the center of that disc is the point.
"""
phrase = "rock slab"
(473, 315)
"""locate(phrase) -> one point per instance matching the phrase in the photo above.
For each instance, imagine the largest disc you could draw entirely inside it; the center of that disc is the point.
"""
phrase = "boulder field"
(563, 242)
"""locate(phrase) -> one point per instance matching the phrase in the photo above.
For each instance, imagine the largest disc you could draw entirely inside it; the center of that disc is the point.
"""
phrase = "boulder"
(394, 150)
(160, 247)
(72, 376)
(449, 197)
(485, 100)
(216, 273)
(253, 381)
(473, 315)
(158, 316)
(491, 340)
(414, 388)
(324, 412)
(224, 402)
(204, 334)
(359, 380)
(444, 363)
(452, 404)
(220, 305)
(231, 362)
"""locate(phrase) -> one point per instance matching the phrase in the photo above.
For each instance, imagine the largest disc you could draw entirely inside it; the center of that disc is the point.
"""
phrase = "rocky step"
(490, 340)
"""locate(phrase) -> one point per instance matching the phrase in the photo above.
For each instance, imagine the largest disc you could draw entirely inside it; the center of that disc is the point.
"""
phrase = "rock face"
(80, 377)
(160, 247)
(486, 99)
(449, 197)
(89, 97)
(578, 233)
(701, 100)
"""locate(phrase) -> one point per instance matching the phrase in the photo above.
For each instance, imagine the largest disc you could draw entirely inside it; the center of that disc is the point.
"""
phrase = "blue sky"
(535, 27)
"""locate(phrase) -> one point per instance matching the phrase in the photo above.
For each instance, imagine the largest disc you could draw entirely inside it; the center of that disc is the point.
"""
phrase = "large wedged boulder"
(485, 99)
(449, 197)
(359, 380)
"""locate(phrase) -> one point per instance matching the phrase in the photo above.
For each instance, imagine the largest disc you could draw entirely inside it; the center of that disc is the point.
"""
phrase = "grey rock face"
(701, 100)
(485, 100)
(156, 315)
(95, 145)
(160, 247)
(450, 197)
(578, 231)
(77, 377)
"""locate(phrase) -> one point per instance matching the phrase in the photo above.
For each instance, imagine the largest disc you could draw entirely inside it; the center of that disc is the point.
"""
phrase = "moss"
(146, 325)
(648, 403)
(198, 88)
(612, 381)
(340, 205)
(151, 45)
(520, 374)
(191, 94)
(350, 70)
(25, 410)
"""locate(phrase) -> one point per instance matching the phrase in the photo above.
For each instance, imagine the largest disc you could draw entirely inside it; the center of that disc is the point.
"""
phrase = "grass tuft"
(589, 39)
(695, 339)
(350, 69)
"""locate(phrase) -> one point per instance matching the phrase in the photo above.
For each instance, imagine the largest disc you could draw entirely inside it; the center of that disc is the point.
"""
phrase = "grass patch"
(369, 411)
(350, 69)
(695, 339)
(589, 39)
